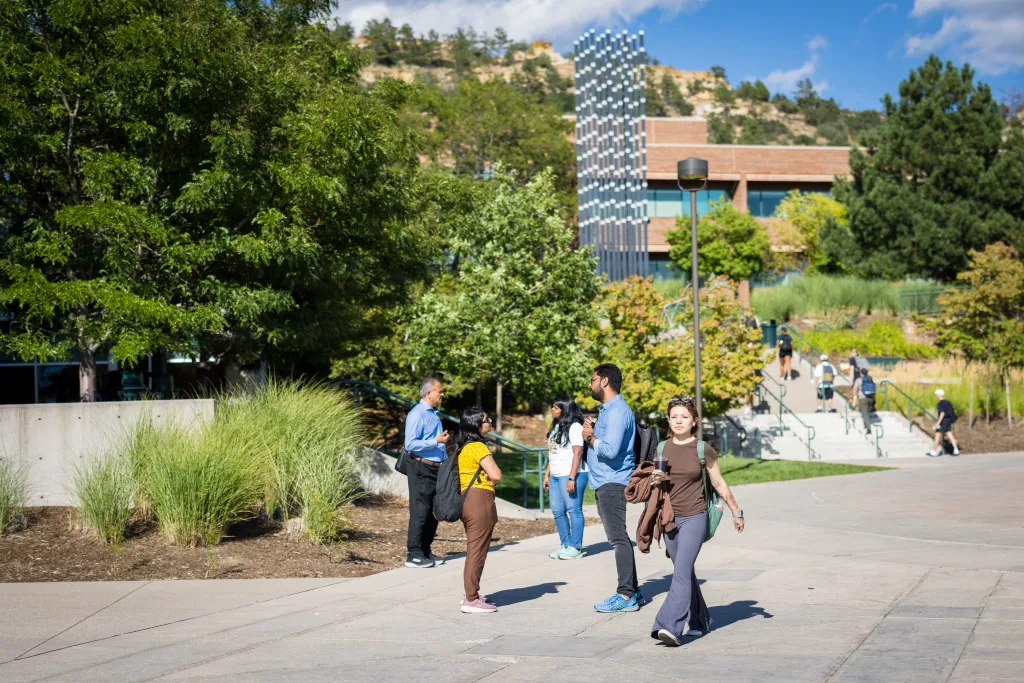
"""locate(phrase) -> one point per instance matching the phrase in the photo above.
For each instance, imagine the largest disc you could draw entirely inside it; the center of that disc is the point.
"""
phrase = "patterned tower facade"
(611, 150)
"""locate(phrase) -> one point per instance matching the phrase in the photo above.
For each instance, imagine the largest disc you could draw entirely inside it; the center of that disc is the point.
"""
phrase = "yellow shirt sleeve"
(469, 461)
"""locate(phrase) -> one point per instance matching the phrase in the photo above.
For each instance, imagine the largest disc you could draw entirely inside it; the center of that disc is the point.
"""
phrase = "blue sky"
(855, 51)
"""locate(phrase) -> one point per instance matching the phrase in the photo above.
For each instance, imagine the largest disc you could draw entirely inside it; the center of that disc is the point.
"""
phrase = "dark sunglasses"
(486, 421)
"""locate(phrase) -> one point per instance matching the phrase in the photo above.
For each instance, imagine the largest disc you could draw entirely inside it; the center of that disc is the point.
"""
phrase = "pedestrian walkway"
(900, 575)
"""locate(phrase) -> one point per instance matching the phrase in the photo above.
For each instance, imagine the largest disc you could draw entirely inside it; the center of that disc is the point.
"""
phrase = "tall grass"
(198, 484)
(822, 294)
(307, 434)
(105, 490)
(955, 377)
(881, 338)
(13, 491)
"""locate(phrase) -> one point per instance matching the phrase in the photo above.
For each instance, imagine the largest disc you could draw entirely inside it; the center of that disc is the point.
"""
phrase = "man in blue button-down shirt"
(611, 460)
(425, 441)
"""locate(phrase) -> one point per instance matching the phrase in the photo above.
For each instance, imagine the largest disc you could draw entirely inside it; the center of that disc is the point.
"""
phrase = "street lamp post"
(692, 177)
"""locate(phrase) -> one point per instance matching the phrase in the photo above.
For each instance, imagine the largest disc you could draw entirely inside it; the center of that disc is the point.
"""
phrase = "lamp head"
(692, 174)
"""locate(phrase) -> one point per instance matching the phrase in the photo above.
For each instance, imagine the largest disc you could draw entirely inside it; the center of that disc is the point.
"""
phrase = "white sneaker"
(694, 633)
(667, 638)
(956, 451)
(932, 454)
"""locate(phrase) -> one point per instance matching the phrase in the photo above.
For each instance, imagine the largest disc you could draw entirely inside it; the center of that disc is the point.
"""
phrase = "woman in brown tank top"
(684, 612)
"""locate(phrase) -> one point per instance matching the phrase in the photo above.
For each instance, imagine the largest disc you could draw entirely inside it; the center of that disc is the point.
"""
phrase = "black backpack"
(644, 444)
(448, 500)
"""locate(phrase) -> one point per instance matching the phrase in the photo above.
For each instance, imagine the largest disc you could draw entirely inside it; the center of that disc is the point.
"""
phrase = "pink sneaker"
(478, 606)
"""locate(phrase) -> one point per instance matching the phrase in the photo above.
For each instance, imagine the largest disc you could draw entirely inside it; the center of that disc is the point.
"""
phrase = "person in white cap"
(944, 425)
(824, 380)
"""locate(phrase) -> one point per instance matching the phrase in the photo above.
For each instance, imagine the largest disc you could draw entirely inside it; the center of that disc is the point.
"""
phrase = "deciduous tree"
(730, 243)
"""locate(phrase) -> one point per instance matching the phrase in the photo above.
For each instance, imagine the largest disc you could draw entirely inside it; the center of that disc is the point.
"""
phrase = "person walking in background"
(864, 389)
(784, 347)
(566, 476)
(684, 612)
(944, 425)
(856, 363)
(425, 441)
(824, 380)
(610, 459)
(479, 512)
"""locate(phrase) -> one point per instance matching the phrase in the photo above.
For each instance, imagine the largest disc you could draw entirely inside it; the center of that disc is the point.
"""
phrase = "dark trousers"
(867, 406)
(479, 515)
(422, 523)
(611, 506)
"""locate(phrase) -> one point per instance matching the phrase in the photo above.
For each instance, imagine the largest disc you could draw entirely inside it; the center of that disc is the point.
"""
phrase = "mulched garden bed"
(51, 549)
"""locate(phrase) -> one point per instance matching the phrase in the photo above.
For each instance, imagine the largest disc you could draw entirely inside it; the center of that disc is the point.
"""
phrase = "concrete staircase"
(833, 436)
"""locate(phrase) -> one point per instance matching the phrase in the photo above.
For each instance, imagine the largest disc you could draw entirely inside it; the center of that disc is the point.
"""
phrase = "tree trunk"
(970, 407)
(479, 394)
(1009, 409)
(86, 375)
(497, 409)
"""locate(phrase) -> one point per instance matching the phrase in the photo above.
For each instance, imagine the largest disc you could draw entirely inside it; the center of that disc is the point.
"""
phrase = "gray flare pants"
(684, 606)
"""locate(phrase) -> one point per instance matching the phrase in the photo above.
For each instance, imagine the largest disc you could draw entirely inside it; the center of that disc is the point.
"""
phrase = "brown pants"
(479, 515)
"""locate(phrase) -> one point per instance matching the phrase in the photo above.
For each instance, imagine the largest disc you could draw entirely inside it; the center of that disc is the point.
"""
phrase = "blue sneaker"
(617, 603)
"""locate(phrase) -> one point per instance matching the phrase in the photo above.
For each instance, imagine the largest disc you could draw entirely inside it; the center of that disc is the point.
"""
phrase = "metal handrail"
(911, 402)
(778, 383)
(879, 432)
(811, 433)
(360, 386)
(816, 352)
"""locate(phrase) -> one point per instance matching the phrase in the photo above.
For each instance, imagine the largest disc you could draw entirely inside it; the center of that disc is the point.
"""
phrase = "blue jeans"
(568, 509)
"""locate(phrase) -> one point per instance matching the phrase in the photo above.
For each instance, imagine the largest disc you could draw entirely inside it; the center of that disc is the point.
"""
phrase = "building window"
(762, 203)
(669, 203)
(59, 383)
(17, 384)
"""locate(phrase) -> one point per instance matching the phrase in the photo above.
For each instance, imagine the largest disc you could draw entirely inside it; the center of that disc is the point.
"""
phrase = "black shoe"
(421, 562)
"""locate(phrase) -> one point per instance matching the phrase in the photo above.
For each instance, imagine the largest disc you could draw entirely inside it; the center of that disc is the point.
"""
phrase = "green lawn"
(737, 471)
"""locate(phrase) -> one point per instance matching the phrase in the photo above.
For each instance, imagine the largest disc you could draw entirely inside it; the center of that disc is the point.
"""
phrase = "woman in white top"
(566, 476)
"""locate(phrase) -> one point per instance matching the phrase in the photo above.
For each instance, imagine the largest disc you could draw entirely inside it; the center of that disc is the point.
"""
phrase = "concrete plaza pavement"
(915, 574)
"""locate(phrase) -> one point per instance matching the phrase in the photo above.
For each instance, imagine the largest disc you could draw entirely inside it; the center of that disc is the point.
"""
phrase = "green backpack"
(715, 508)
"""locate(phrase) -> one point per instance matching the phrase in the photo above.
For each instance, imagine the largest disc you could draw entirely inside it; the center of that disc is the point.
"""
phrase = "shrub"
(104, 488)
(307, 435)
(13, 492)
(881, 338)
(198, 484)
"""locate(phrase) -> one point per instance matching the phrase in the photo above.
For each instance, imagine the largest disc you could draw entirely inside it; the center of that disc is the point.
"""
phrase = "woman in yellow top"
(479, 513)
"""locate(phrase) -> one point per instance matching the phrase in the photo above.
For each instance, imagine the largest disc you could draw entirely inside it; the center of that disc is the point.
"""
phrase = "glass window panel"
(770, 199)
(59, 383)
(17, 385)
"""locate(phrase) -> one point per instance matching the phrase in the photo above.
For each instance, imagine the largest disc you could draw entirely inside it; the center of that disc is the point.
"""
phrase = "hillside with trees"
(744, 114)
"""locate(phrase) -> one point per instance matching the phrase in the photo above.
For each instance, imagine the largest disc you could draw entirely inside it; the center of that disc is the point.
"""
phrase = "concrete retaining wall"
(51, 438)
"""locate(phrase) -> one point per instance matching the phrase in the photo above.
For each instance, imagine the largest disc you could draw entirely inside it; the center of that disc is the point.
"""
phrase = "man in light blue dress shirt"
(425, 440)
(611, 461)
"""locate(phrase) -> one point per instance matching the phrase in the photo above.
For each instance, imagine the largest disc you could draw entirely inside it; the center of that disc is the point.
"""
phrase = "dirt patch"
(50, 549)
(998, 437)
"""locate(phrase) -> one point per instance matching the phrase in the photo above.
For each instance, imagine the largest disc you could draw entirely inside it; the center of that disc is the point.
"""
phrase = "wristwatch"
(739, 516)
(572, 478)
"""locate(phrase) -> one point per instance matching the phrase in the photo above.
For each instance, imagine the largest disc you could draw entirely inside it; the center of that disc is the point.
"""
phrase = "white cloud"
(986, 33)
(785, 80)
(816, 43)
(886, 7)
(554, 20)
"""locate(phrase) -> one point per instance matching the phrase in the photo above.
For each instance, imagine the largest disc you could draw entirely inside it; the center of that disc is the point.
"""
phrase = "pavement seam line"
(896, 603)
(80, 621)
(169, 623)
(970, 636)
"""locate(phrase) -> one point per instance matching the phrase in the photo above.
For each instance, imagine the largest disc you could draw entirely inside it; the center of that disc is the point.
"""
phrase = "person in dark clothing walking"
(425, 441)
(684, 612)
(610, 459)
(944, 425)
(784, 347)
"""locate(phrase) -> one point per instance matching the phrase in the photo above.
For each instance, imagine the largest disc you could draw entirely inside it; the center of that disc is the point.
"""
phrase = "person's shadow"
(515, 596)
(724, 615)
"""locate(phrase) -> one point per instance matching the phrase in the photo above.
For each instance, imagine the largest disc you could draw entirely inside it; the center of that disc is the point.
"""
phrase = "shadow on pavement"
(652, 588)
(514, 596)
(724, 615)
(603, 547)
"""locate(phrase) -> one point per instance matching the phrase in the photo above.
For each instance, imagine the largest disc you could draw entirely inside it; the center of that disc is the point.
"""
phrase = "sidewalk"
(905, 575)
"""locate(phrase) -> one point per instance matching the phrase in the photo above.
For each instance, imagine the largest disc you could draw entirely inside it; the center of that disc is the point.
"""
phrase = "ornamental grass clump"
(13, 492)
(199, 483)
(307, 435)
(105, 490)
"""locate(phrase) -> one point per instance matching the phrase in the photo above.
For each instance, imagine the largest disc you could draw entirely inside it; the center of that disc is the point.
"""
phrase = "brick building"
(755, 178)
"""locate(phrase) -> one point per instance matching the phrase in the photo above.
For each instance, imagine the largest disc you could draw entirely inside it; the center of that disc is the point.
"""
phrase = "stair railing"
(783, 408)
(360, 387)
(911, 402)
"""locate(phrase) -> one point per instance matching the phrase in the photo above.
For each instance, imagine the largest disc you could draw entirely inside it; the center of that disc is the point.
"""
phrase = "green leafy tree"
(195, 178)
(653, 345)
(382, 41)
(654, 101)
(730, 243)
(514, 298)
(754, 92)
(720, 130)
(718, 72)
(753, 132)
(696, 86)
(724, 94)
(482, 124)
(986, 322)
(809, 213)
(673, 96)
(939, 177)
(784, 104)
